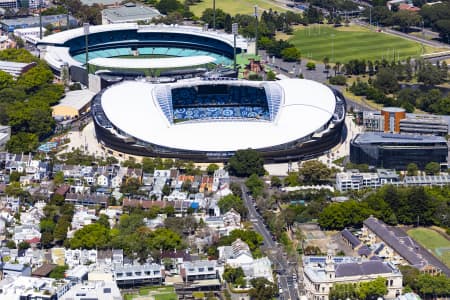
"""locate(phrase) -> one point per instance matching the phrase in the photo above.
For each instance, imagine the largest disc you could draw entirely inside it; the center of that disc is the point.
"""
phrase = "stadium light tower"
(40, 19)
(256, 29)
(234, 30)
(214, 15)
(86, 42)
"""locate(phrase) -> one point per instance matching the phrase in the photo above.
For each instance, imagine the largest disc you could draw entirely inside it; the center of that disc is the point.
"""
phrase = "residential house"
(220, 178)
(87, 199)
(26, 287)
(199, 270)
(128, 276)
(239, 255)
(23, 233)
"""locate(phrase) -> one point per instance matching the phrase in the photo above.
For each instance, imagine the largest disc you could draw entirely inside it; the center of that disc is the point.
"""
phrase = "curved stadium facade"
(149, 49)
(208, 120)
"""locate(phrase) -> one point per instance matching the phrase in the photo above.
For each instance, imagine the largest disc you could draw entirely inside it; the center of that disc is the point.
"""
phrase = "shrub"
(338, 80)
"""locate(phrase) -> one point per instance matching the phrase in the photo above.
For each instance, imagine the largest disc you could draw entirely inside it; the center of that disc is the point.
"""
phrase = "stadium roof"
(306, 108)
(57, 54)
(151, 63)
(64, 36)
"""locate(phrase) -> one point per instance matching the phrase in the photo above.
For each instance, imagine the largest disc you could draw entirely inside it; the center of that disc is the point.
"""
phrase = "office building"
(396, 151)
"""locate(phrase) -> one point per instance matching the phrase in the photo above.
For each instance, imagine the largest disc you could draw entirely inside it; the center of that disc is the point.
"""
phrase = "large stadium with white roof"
(208, 120)
(149, 50)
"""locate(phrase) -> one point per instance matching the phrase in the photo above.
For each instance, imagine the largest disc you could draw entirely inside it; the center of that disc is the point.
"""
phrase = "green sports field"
(234, 7)
(355, 42)
(433, 242)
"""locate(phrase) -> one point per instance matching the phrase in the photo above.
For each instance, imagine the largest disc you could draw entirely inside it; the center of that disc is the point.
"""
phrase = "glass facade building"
(396, 151)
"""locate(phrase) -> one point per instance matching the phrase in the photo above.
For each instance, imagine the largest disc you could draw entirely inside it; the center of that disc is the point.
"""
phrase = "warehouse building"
(73, 105)
(129, 13)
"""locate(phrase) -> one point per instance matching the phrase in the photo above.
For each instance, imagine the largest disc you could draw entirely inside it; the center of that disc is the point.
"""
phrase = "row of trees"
(427, 286)
(393, 205)
(386, 88)
(363, 290)
(130, 234)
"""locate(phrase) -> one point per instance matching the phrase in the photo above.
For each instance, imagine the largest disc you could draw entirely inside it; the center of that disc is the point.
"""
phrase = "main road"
(274, 251)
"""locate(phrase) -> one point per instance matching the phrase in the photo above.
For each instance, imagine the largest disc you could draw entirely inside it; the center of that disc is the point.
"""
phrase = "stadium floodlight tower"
(86, 42)
(234, 30)
(214, 15)
(40, 19)
(256, 29)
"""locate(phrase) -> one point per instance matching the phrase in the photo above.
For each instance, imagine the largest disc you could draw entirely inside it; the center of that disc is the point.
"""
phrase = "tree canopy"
(245, 163)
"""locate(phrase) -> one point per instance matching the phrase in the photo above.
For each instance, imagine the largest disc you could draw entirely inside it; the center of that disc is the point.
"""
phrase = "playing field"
(156, 293)
(355, 42)
(234, 7)
(432, 241)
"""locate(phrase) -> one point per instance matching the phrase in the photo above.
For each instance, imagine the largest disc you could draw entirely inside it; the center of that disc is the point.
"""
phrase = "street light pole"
(256, 29)
(234, 30)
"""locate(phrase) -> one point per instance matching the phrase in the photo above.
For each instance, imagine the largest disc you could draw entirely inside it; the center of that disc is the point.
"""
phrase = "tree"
(386, 80)
(290, 54)
(232, 275)
(429, 74)
(58, 178)
(271, 76)
(432, 168)
(231, 201)
(372, 289)
(412, 169)
(338, 80)
(22, 143)
(103, 220)
(212, 168)
(314, 172)
(6, 80)
(433, 286)
(10, 244)
(246, 162)
(131, 186)
(23, 245)
(405, 19)
(262, 289)
(92, 236)
(59, 272)
(275, 181)
(255, 185)
(342, 291)
(310, 66)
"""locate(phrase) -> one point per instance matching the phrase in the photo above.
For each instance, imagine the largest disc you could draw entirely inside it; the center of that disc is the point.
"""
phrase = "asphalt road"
(274, 251)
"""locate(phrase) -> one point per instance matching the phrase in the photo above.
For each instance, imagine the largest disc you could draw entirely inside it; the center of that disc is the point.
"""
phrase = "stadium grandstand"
(207, 120)
(145, 49)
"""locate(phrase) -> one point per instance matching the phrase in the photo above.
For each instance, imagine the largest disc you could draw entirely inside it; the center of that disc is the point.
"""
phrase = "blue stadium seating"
(231, 102)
